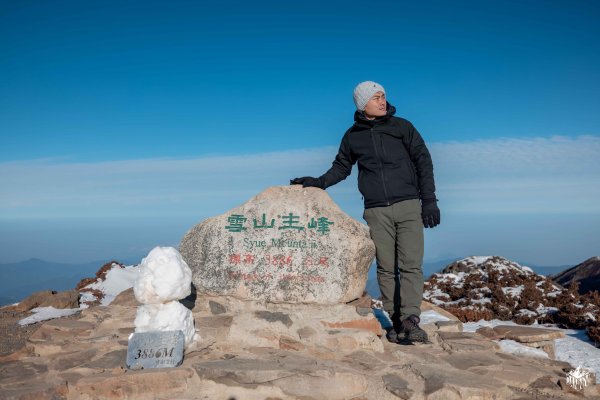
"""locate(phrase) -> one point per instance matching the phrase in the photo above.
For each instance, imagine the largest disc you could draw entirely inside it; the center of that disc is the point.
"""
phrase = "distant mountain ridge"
(20, 279)
(587, 274)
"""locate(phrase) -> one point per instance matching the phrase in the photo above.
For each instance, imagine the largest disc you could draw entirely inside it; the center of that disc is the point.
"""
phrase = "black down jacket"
(393, 161)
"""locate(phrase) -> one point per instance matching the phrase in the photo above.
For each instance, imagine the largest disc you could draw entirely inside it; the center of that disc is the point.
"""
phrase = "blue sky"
(141, 118)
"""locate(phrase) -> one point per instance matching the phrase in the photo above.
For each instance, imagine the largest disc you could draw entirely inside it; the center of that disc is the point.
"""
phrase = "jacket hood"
(360, 119)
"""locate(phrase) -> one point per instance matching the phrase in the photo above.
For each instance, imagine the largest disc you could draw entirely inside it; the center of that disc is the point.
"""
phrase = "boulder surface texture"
(288, 244)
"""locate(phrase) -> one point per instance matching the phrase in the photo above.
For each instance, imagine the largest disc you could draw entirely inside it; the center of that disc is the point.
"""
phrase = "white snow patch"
(457, 279)
(510, 346)
(376, 303)
(543, 310)
(477, 259)
(454, 277)
(590, 316)
(575, 348)
(435, 292)
(502, 268)
(46, 313)
(513, 291)
(437, 302)
(116, 280)
(473, 326)
(483, 300)
(86, 296)
(431, 316)
(524, 311)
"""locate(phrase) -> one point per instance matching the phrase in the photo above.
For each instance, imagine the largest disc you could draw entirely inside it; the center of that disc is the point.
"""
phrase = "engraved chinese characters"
(287, 244)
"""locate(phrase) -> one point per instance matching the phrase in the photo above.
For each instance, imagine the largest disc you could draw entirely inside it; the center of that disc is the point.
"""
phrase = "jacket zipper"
(380, 167)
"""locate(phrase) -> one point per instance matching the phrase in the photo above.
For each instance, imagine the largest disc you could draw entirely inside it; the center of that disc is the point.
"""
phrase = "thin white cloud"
(531, 156)
(148, 186)
(555, 174)
(506, 175)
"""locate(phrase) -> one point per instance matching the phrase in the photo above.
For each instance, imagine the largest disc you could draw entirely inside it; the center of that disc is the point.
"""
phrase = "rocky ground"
(250, 350)
(12, 336)
(488, 288)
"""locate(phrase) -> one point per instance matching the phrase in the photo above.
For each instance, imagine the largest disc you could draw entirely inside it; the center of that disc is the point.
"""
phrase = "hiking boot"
(391, 335)
(412, 331)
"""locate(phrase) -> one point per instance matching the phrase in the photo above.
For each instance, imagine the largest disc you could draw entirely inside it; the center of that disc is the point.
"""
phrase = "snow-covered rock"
(164, 279)
(116, 280)
(490, 287)
(164, 276)
(170, 316)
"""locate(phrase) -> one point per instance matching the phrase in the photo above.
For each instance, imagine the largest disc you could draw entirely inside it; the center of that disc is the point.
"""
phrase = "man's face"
(376, 106)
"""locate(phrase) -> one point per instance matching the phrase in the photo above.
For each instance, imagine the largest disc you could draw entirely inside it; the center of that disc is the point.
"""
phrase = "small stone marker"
(155, 350)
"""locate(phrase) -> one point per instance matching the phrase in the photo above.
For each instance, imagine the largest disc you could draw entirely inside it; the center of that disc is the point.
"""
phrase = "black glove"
(430, 213)
(308, 181)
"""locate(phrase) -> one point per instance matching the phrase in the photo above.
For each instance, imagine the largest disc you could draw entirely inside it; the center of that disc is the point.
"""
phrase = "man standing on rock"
(395, 177)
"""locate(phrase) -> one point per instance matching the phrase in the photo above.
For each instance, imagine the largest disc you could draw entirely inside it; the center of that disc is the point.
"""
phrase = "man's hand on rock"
(308, 181)
(430, 213)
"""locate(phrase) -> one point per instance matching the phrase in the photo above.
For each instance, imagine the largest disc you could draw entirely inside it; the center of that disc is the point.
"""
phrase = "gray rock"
(524, 334)
(397, 386)
(287, 244)
(363, 312)
(274, 317)
(544, 345)
(449, 326)
(466, 341)
(50, 298)
(472, 359)
(445, 383)
(238, 371)
(295, 375)
(216, 308)
(63, 362)
(110, 360)
(306, 332)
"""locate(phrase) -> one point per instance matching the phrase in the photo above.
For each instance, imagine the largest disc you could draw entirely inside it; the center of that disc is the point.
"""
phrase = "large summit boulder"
(287, 244)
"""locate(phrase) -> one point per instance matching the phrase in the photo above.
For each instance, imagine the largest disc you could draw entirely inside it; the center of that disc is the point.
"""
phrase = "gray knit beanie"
(363, 93)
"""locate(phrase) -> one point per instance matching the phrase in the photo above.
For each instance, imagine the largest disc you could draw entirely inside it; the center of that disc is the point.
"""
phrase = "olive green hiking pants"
(397, 231)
